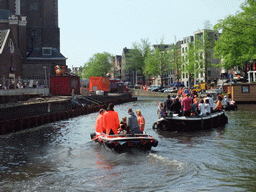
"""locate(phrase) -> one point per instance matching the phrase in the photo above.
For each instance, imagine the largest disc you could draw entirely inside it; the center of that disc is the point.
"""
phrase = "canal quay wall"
(36, 111)
(145, 93)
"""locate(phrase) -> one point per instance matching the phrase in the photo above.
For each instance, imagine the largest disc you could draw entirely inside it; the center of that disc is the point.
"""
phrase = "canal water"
(61, 157)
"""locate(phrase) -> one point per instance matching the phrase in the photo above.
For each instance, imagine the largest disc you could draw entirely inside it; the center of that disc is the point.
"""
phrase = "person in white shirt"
(225, 102)
(208, 96)
(201, 107)
(207, 107)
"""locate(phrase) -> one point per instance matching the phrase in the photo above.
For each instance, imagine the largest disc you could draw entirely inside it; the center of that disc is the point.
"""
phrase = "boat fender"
(93, 135)
(155, 143)
(155, 126)
(110, 144)
(164, 125)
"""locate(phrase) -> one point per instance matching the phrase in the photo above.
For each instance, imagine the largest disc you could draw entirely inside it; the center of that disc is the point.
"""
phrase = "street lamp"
(45, 75)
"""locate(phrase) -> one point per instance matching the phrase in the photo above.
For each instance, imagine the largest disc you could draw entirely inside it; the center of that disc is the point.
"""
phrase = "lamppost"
(45, 75)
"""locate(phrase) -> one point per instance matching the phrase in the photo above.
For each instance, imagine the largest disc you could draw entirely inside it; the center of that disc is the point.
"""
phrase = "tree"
(98, 65)
(158, 62)
(200, 53)
(176, 59)
(135, 58)
(237, 43)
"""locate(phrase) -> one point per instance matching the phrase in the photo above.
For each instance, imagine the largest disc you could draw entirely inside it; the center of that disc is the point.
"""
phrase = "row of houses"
(213, 72)
(210, 73)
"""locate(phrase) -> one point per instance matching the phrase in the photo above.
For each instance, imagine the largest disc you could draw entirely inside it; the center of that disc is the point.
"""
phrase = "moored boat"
(120, 143)
(191, 123)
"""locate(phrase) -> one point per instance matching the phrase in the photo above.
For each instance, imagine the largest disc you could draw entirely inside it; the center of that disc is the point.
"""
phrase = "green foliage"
(199, 52)
(237, 43)
(135, 58)
(176, 61)
(158, 62)
(98, 65)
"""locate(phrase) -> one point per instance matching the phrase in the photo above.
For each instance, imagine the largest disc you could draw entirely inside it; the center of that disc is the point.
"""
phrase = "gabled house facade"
(205, 67)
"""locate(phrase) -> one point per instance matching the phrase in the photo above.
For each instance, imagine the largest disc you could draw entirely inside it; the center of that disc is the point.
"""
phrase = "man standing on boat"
(141, 120)
(132, 123)
(167, 104)
(111, 120)
(186, 103)
(99, 122)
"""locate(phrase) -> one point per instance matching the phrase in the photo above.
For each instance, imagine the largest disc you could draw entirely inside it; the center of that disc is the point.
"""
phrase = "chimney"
(17, 7)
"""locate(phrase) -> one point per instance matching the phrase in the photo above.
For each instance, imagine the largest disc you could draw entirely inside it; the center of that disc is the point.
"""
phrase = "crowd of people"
(20, 85)
(108, 122)
(187, 103)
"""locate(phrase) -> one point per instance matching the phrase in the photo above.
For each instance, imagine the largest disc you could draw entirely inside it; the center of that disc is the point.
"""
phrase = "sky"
(88, 27)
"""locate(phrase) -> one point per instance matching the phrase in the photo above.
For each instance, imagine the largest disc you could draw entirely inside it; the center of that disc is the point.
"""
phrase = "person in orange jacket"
(141, 120)
(111, 120)
(99, 122)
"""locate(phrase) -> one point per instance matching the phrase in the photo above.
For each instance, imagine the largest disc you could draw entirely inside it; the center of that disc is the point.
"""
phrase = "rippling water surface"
(61, 157)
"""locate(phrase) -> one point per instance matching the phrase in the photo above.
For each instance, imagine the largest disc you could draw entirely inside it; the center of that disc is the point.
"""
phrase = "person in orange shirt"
(111, 120)
(141, 120)
(99, 122)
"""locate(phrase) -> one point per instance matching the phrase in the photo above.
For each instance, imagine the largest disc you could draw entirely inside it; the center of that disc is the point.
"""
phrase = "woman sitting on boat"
(123, 126)
(218, 104)
(160, 110)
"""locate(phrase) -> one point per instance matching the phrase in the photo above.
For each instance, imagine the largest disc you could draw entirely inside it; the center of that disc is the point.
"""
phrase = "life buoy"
(155, 143)
(155, 125)
(164, 125)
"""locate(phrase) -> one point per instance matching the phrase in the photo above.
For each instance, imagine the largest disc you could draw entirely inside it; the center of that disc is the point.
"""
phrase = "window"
(47, 51)
(245, 89)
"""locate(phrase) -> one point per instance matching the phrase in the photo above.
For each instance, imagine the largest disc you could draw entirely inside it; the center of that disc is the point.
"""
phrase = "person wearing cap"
(186, 103)
(141, 120)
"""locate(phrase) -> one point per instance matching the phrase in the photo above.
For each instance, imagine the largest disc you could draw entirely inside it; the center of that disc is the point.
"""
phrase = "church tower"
(39, 35)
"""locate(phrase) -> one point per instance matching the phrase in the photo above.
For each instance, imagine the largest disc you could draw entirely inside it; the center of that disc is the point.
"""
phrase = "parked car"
(162, 89)
(171, 90)
(154, 88)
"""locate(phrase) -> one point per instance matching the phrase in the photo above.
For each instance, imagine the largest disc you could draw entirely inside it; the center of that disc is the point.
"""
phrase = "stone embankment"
(20, 115)
(143, 93)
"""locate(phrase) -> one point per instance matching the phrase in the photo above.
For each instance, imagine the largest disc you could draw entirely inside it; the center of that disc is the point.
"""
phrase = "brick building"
(34, 30)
